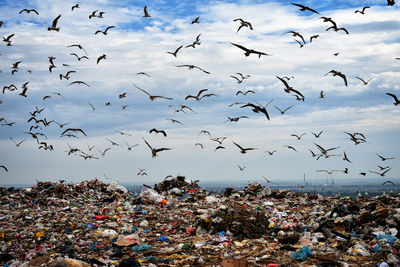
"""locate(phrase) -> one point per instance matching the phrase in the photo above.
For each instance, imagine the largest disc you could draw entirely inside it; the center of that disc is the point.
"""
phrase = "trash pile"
(177, 223)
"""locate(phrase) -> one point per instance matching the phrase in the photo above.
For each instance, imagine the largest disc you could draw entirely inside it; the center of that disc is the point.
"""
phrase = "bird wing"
(241, 148)
(241, 47)
(55, 21)
(147, 144)
(394, 96)
(284, 82)
(109, 27)
(201, 91)
(343, 77)
(141, 89)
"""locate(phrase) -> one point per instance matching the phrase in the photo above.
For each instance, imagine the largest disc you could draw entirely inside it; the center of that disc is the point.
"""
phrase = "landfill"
(178, 223)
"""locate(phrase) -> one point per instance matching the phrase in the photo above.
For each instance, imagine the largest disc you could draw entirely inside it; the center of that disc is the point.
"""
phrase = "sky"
(140, 44)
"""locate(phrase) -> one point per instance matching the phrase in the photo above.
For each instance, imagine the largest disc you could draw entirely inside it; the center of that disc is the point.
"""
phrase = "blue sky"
(139, 44)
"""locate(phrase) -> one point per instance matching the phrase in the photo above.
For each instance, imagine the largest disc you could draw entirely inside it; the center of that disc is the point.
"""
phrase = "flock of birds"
(37, 123)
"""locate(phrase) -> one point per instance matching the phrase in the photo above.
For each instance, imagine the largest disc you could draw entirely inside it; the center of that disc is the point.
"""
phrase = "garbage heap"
(177, 223)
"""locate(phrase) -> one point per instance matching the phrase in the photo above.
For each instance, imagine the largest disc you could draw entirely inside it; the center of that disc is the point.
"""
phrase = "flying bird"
(241, 168)
(305, 8)
(190, 67)
(100, 58)
(336, 29)
(154, 151)
(289, 89)
(79, 46)
(257, 109)
(243, 23)
(146, 13)
(294, 34)
(196, 42)
(381, 173)
(338, 73)
(247, 51)
(388, 182)
(270, 152)
(73, 130)
(105, 31)
(158, 131)
(290, 147)
(4, 167)
(396, 100)
(245, 93)
(317, 135)
(298, 136)
(152, 97)
(314, 37)
(93, 15)
(365, 82)
(175, 52)
(78, 57)
(54, 24)
(362, 11)
(17, 143)
(243, 150)
(236, 119)
(391, 2)
(74, 6)
(196, 20)
(197, 97)
(79, 82)
(283, 111)
(175, 121)
(29, 11)
(66, 76)
(383, 158)
(345, 158)
(143, 73)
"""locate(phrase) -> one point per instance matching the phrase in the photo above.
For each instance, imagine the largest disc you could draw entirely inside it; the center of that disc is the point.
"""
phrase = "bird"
(196, 20)
(175, 121)
(383, 158)
(290, 147)
(363, 173)
(321, 94)
(305, 8)
(383, 168)
(241, 168)
(336, 54)
(365, 82)
(154, 151)
(100, 58)
(243, 23)
(190, 67)
(199, 144)
(79, 46)
(386, 182)
(219, 147)
(78, 57)
(243, 150)
(142, 172)
(257, 109)
(17, 143)
(312, 153)
(24, 89)
(130, 147)
(4, 167)
(327, 171)
(236, 119)
(62, 124)
(66, 76)
(74, 6)
(146, 13)
(100, 16)
(247, 51)
(396, 100)
(336, 29)
(289, 89)
(325, 151)
(362, 11)
(197, 97)
(205, 132)
(8, 39)
(381, 173)
(317, 135)
(391, 2)
(294, 34)
(152, 97)
(105, 31)
(314, 37)
(143, 73)
(283, 111)
(175, 52)
(158, 131)
(1, 23)
(73, 130)
(298, 136)
(79, 82)
(93, 15)
(103, 153)
(29, 11)
(345, 158)
(245, 93)
(338, 73)
(270, 152)
(219, 140)
(91, 105)
(112, 142)
(54, 24)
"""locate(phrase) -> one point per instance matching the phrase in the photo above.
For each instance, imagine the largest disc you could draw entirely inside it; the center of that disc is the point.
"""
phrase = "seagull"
(175, 121)
(158, 131)
(241, 168)
(143, 73)
(199, 144)
(383, 158)
(245, 93)
(345, 158)
(176, 51)
(283, 111)
(8, 39)
(79, 82)
(105, 31)
(381, 173)
(79, 46)
(219, 147)
(4, 167)
(190, 67)
(386, 182)
(103, 154)
(297, 136)
(93, 14)
(338, 73)
(305, 8)
(243, 23)
(338, 29)
(317, 135)
(383, 168)
(290, 147)
(73, 130)
(152, 97)
(396, 100)
(154, 151)
(197, 97)
(362, 11)
(236, 119)
(391, 2)
(74, 6)
(91, 105)
(365, 82)
(146, 13)
(250, 51)
(100, 58)
(17, 143)
(325, 151)
(29, 11)
(196, 20)
(314, 37)
(289, 89)
(54, 24)
(321, 94)
(327, 171)
(363, 173)
(257, 109)
(130, 147)
(112, 142)
(196, 42)
(270, 152)
(297, 34)
(205, 132)
(66, 76)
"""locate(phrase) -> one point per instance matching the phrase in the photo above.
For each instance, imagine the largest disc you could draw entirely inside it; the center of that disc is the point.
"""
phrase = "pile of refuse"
(178, 223)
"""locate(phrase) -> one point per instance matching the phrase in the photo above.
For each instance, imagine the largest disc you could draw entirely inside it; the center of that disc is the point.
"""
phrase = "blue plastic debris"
(162, 238)
(141, 247)
(389, 238)
(301, 254)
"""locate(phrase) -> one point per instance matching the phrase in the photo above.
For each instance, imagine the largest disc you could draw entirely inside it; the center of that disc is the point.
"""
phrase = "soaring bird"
(79, 46)
(289, 89)
(294, 34)
(130, 147)
(314, 37)
(154, 151)
(396, 100)
(388, 182)
(327, 171)
(336, 29)
(195, 42)
(243, 23)
(29, 11)
(383, 158)
(241, 168)
(305, 8)
(4, 167)
(391, 2)
(24, 89)
(290, 147)
(196, 20)
(270, 152)
(93, 15)
(365, 82)
(345, 158)
(283, 111)
(105, 31)
(17, 143)
(152, 97)
(325, 151)
(248, 51)
(74, 6)
(79, 82)
(100, 58)
(190, 67)
(257, 109)
(175, 52)
(78, 57)
(338, 73)
(8, 39)
(381, 173)
(112, 142)
(73, 130)
(298, 136)
(362, 11)
(242, 149)
(317, 135)
(236, 119)
(54, 24)
(146, 13)
(175, 121)
(245, 93)
(158, 131)
(197, 97)
(66, 76)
